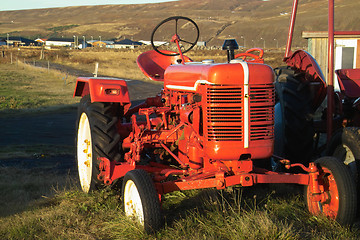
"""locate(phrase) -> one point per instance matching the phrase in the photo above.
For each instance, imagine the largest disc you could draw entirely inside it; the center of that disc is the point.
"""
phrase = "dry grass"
(117, 62)
(122, 63)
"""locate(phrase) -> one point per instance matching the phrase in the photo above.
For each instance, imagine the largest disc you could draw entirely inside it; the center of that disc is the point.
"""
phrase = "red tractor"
(210, 127)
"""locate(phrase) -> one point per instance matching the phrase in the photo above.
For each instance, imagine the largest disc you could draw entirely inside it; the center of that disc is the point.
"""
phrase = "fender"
(304, 62)
(104, 90)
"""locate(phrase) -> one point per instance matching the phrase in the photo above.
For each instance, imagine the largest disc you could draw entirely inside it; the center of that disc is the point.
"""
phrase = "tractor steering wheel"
(180, 42)
(254, 57)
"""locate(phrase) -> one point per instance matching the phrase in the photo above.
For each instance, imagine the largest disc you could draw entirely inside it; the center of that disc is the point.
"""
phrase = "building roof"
(61, 39)
(324, 34)
(18, 39)
(100, 42)
(129, 42)
(40, 40)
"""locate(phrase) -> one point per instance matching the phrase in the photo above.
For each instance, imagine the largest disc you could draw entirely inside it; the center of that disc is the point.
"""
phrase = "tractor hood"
(187, 77)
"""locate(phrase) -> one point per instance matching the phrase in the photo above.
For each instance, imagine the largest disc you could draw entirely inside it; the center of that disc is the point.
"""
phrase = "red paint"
(98, 88)
(153, 64)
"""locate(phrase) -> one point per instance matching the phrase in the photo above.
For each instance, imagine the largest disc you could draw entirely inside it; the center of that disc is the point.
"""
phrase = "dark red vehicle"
(209, 127)
(301, 88)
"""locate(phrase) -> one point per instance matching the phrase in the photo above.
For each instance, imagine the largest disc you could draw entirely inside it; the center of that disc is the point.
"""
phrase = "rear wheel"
(345, 146)
(338, 190)
(294, 130)
(141, 201)
(96, 136)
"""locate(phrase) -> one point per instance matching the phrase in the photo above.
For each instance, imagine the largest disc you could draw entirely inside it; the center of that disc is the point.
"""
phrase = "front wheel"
(141, 202)
(338, 190)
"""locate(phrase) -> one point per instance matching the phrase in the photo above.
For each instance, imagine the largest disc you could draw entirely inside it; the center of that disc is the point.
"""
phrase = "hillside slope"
(217, 19)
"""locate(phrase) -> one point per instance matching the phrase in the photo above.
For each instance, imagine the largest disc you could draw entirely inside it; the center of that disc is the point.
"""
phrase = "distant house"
(40, 41)
(60, 42)
(201, 44)
(19, 41)
(98, 43)
(126, 43)
(156, 43)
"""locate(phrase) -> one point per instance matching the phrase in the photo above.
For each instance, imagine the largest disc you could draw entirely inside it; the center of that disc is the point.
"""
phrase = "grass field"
(24, 87)
(44, 204)
(249, 213)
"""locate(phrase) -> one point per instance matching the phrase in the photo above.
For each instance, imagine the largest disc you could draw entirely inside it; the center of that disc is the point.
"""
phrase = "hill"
(217, 19)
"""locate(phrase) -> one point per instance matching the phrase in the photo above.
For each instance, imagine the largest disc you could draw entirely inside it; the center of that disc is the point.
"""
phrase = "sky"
(7, 5)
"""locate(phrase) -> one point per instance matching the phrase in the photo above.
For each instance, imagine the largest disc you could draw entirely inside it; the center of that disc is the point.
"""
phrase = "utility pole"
(244, 40)
(84, 43)
(264, 42)
(277, 43)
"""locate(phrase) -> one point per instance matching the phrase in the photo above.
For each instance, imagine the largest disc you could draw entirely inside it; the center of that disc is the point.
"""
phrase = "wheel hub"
(84, 153)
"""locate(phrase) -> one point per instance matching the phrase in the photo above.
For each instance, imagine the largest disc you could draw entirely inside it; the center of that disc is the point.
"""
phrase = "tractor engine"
(222, 112)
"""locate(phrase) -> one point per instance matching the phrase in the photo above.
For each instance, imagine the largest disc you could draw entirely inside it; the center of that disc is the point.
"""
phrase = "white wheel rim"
(84, 152)
(132, 202)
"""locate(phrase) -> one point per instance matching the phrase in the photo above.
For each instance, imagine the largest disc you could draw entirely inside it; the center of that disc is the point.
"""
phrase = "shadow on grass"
(178, 205)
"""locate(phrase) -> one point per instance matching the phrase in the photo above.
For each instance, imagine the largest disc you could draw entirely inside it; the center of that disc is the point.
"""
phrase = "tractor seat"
(153, 64)
(349, 81)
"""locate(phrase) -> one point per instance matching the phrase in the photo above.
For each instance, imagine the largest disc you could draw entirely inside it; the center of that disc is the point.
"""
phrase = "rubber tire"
(105, 139)
(141, 182)
(346, 189)
(345, 146)
(294, 137)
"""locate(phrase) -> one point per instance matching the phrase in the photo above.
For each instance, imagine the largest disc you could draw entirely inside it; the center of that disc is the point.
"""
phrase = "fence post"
(96, 69)
(65, 78)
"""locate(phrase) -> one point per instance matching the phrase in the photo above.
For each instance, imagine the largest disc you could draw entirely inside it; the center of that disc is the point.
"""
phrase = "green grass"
(251, 213)
(26, 87)
(35, 150)
(40, 203)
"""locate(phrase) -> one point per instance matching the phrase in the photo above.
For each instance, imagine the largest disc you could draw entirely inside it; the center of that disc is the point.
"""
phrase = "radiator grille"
(224, 113)
(261, 112)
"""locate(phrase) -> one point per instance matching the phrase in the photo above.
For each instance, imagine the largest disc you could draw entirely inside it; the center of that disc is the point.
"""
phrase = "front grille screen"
(224, 113)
